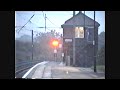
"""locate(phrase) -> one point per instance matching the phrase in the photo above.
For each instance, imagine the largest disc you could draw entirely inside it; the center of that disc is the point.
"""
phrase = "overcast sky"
(54, 19)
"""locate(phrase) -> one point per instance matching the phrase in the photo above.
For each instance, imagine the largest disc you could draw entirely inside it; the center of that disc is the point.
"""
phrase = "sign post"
(55, 54)
(55, 43)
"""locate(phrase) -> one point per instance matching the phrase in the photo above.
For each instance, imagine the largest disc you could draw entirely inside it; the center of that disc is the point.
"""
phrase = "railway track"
(42, 71)
(23, 67)
(21, 72)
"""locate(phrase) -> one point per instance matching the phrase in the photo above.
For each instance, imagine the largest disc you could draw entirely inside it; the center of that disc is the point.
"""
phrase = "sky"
(54, 21)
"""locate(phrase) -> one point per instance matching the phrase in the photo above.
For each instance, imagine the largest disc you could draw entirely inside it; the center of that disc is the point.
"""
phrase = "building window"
(90, 34)
(79, 32)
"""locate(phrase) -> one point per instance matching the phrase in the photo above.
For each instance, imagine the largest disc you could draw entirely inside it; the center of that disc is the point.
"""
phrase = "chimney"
(73, 13)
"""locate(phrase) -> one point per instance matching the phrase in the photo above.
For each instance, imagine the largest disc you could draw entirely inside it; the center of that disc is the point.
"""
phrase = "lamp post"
(94, 47)
(73, 41)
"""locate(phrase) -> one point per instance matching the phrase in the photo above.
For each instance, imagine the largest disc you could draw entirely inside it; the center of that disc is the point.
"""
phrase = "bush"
(99, 68)
(101, 56)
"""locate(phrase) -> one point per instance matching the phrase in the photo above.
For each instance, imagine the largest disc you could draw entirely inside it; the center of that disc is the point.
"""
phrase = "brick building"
(82, 28)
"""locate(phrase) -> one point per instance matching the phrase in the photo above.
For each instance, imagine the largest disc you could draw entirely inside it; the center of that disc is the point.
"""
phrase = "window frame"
(78, 33)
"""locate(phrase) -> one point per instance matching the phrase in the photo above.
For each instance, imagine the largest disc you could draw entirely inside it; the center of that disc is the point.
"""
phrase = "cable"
(47, 18)
(44, 27)
(26, 23)
(51, 22)
(37, 27)
(34, 24)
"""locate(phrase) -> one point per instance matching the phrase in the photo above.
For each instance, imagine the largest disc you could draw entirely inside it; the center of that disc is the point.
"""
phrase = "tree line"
(101, 49)
(41, 47)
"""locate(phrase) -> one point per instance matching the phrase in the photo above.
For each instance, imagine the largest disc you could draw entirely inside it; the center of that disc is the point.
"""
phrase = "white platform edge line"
(24, 76)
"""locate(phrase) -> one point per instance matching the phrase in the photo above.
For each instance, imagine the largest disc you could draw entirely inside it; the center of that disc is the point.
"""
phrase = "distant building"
(82, 28)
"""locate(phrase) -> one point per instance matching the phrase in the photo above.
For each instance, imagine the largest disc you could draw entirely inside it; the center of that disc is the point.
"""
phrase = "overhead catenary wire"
(37, 32)
(45, 20)
(38, 27)
(25, 29)
(51, 22)
(26, 23)
(24, 26)
(35, 24)
(44, 15)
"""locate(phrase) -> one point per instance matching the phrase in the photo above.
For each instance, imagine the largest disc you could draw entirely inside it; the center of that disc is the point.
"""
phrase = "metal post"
(55, 54)
(55, 57)
(73, 41)
(94, 46)
(62, 49)
(32, 44)
(85, 37)
(45, 22)
(65, 60)
(61, 53)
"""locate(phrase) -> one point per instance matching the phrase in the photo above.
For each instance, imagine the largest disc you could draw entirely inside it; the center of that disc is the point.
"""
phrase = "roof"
(78, 20)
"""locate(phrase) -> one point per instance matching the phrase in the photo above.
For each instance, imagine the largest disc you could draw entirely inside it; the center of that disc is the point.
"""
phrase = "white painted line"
(33, 78)
(42, 63)
(39, 72)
